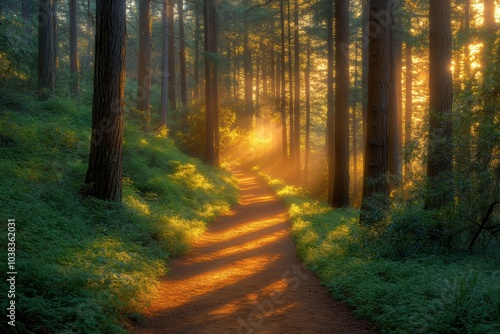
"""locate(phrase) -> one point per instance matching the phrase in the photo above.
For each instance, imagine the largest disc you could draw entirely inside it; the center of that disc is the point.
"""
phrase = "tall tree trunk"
(197, 37)
(211, 86)
(272, 73)
(182, 52)
(365, 32)
(440, 154)
(355, 127)
(291, 152)
(408, 103)
(73, 49)
(307, 83)
(284, 144)
(104, 174)
(341, 178)
(164, 65)
(376, 186)
(144, 66)
(330, 139)
(46, 62)
(264, 64)
(296, 106)
(172, 97)
(257, 80)
(395, 114)
(247, 69)
(55, 37)
(25, 10)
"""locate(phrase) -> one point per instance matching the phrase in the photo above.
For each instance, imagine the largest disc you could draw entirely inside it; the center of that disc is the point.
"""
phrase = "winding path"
(243, 276)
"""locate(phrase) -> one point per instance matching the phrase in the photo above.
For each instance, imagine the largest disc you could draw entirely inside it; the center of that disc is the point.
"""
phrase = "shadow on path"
(243, 276)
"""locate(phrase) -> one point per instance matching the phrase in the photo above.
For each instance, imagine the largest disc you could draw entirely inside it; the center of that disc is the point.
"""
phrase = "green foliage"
(85, 265)
(424, 293)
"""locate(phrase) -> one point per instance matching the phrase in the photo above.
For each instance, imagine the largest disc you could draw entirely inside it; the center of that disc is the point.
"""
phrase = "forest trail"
(243, 276)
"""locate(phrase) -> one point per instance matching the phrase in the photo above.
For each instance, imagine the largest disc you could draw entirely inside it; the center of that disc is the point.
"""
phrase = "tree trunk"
(172, 98)
(395, 120)
(291, 151)
(440, 156)
(247, 69)
(46, 62)
(104, 174)
(296, 106)
(272, 73)
(307, 82)
(182, 52)
(144, 69)
(355, 127)
(375, 186)
(211, 87)
(408, 104)
(330, 139)
(341, 174)
(365, 32)
(257, 80)
(55, 37)
(164, 65)
(264, 62)
(284, 144)
(197, 34)
(73, 49)
(25, 10)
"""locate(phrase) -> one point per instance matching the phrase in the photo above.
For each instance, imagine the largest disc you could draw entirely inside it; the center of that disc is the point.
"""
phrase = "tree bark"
(395, 119)
(25, 10)
(164, 65)
(307, 83)
(46, 62)
(197, 33)
(144, 66)
(73, 49)
(340, 196)
(172, 97)
(408, 103)
(211, 86)
(284, 144)
(104, 174)
(375, 198)
(365, 32)
(291, 151)
(247, 69)
(296, 105)
(330, 139)
(440, 153)
(182, 52)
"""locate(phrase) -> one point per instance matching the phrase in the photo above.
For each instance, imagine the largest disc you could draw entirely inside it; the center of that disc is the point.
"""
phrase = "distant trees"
(104, 173)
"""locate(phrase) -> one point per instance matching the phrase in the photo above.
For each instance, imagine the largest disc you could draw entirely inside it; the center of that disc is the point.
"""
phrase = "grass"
(85, 265)
(421, 294)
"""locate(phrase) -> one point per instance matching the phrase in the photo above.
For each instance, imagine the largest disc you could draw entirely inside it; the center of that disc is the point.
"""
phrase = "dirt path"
(243, 277)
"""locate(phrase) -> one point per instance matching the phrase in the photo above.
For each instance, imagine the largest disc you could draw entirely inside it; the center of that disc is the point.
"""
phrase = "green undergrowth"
(85, 265)
(420, 294)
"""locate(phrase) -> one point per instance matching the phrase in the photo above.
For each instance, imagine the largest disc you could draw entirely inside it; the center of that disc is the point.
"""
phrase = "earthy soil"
(243, 276)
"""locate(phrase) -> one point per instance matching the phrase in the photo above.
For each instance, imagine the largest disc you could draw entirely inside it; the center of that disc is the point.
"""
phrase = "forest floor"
(243, 276)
